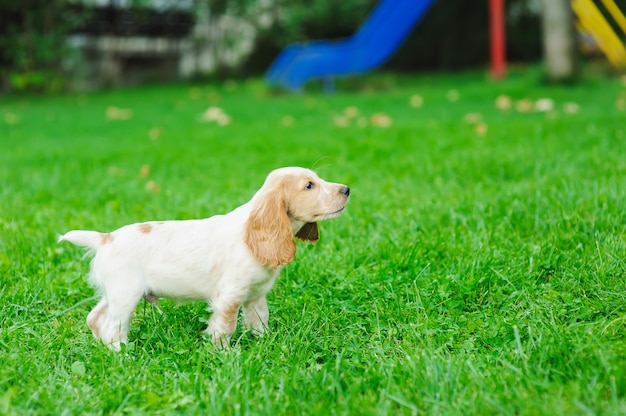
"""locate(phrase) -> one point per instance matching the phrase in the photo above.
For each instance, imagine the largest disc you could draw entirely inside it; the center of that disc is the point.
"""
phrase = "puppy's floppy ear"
(268, 233)
(309, 233)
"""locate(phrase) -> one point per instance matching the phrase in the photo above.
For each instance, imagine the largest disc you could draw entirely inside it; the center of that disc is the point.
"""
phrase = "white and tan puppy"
(228, 260)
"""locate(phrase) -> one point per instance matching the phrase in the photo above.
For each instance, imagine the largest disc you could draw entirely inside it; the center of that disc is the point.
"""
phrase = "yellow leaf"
(144, 171)
(416, 101)
(503, 102)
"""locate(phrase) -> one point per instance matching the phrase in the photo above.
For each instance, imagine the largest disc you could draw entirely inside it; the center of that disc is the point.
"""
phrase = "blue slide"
(381, 34)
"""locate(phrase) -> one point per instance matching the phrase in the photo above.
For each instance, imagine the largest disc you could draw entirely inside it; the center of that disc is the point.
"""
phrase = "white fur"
(207, 259)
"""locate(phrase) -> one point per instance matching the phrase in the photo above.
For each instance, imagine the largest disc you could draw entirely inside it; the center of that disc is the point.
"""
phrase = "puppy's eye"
(309, 186)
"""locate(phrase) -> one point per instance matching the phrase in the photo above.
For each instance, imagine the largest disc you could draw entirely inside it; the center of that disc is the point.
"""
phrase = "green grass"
(471, 274)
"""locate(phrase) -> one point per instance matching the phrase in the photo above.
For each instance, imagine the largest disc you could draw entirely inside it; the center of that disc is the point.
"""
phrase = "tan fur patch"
(229, 313)
(105, 238)
(268, 232)
(94, 317)
(145, 228)
(223, 324)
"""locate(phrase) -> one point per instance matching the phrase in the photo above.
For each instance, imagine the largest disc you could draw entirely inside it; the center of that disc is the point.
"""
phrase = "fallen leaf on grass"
(224, 121)
(117, 113)
(152, 186)
(481, 129)
(473, 118)
(416, 101)
(381, 120)
(144, 171)
(212, 113)
(217, 115)
(341, 121)
(503, 102)
(524, 105)
(571, 108)
(155, 133)
(351, 112)
(453, 95)
(544, 105)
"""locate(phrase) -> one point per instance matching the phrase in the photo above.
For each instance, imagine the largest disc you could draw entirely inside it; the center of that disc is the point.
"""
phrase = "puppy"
(230, 261)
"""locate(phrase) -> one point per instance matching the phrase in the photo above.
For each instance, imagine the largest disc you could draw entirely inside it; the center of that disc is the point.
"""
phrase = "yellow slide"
(591, 21)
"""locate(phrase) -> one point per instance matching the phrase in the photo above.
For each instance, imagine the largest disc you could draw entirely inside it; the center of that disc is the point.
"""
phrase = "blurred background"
(81, 45)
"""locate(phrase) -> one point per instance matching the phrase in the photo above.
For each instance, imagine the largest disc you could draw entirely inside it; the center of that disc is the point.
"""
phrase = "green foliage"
(42, 80)
(478, 269)
(33, 43)
(305, 20)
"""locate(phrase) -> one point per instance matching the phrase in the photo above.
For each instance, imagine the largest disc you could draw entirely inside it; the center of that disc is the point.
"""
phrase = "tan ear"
(268, 233)
(309, 233)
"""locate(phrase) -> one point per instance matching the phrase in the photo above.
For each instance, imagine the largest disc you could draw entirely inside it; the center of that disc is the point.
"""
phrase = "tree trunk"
(558, 39)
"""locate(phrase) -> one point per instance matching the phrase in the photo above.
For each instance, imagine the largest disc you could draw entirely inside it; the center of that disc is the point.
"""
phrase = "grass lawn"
(479, 268)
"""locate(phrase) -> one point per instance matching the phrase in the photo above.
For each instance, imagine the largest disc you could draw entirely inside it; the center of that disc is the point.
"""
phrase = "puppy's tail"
(89, 239)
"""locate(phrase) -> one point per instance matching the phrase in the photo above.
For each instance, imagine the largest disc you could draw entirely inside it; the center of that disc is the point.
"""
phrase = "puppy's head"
(291, 200)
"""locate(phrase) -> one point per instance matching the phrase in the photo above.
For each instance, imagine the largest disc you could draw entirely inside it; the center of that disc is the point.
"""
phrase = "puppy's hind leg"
(122, 302)
(97, 316)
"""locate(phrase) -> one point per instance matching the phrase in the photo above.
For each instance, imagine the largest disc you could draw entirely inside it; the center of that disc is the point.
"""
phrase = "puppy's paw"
(220, 340)
(259, 332)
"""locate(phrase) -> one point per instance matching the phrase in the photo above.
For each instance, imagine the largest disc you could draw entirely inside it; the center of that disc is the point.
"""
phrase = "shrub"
(32, 43)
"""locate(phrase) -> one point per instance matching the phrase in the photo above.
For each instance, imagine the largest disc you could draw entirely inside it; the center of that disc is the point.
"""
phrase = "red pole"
(497, 38)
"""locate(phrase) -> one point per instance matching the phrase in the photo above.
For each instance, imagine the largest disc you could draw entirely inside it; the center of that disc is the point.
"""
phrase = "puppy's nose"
(345, 190)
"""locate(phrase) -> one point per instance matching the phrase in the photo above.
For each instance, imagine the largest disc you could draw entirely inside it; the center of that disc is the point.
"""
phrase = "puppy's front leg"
(223, 322)
(256, 315)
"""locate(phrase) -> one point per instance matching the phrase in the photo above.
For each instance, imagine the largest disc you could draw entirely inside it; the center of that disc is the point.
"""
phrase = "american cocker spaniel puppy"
(229, 260)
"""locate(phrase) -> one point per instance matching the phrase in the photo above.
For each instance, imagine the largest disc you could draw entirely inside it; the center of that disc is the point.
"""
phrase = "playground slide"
(592, 21)
(381, 34)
